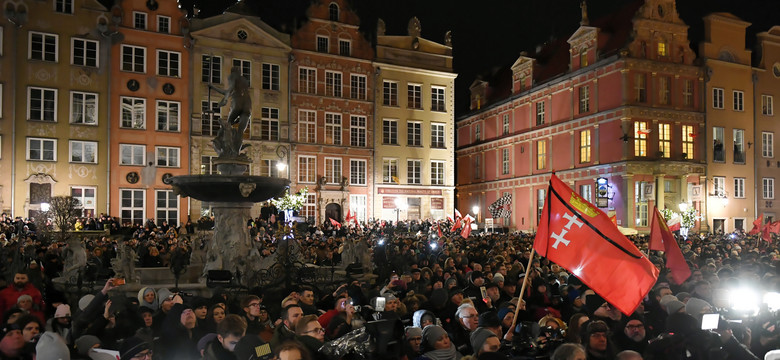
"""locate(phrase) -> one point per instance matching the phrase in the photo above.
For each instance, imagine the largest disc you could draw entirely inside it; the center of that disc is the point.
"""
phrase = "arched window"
(334, 12)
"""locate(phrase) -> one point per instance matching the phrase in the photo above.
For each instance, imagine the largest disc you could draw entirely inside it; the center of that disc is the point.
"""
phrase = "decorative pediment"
(255, 32)
(40, 178)
(584, 37)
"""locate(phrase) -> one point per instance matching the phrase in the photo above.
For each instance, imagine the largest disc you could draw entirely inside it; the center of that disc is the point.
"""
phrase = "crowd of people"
(436, 296)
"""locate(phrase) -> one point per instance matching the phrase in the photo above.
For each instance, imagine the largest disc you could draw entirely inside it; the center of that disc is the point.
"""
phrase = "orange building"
(150, 102)
(331, 111)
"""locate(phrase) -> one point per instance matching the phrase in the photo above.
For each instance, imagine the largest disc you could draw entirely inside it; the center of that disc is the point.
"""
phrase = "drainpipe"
(15, 45)
(291, 60)
(108, 129)
(377, 71)
(754, 78)
(705, 192)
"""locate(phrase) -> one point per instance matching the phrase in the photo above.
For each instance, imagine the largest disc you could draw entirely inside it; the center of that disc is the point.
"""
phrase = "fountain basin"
(229, 188)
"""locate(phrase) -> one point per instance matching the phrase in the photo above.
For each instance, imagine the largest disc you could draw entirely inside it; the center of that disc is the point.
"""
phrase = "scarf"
(444, 354)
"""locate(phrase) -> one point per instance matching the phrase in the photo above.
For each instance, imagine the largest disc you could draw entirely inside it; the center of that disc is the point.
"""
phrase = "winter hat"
(132, 346)
(51, 346)
(8, 328)
(450, 281)
(63, 310)
(476, 274)
(594, 326)
(205, 340)
(489, 319)
(479, 336)
(674, 306)
(502, 313)
(163, 294)
(412, 331)
(439, 298)
(86, 342)
(696, 306)
(85, 300)
(666, 299)
(432, 333)
(455, 291)
(497, 278)
(682, 296)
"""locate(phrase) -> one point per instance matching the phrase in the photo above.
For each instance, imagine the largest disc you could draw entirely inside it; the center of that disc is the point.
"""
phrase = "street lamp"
(399, 206)
(475, 210)
(282, 153)
(683, 206)
(45, 207)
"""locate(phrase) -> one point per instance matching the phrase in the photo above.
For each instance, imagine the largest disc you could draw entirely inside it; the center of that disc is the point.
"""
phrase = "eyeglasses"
(143, 355)
(635, 327)
(254, 305)
(319, 329)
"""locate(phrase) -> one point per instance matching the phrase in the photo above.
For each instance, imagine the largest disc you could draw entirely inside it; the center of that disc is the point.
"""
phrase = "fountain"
(230, 193)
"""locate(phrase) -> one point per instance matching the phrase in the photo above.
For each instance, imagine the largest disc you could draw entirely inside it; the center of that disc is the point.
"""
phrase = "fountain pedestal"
(231, 243)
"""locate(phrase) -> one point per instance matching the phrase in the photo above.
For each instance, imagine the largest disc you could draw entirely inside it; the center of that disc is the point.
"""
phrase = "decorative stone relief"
(414, 29)
(83, 132)
(38, 128)
(43, 75)
(41, 169)
(82, 171)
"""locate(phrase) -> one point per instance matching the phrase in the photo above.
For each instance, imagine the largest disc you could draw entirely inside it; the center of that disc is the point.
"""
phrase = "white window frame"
(310, 206)
(134, 150)
(768, 187)
(307, 80)
(269, 120)
(390, 93)
(207, 168)
(438, 135)
(75, 144)
(505, 163)
(67, 6)
(718, 98)
(357, 172)
(357, 203)
(739, 188)
(357, 86)
(135, 194)
(159, 23)
(334, 83)
(413, 133)
(145, 17)
(133, 64)
(164, 108)
(84, 203)
(387, 134)
(333, 170)
(212, 72)
(739, 100)
(307, 127)
(438, 172)
(540, 113)
(84, 107)
(41, 141)
(270, 76)
(584, 97)
(43, 106)
(738, 135)
(326, 42)
(84, 52)
(168, 210)
(506, 125)
(767, 105)
(477, 132)
(244, 68)
(303, 177)
(438, 98)
(44, 37)
(687, 92)
(664, 90)
(585, 146)
(388, 165)
(414, 99)
(767, 144)
(169, 150)
(349, 47)
(170, 70)
(688, 141)
(719, 186)
(333, 128)
(137, 110)
(357, 130)
(665, 139)
(268, 168)
(541, 156)
(414, 171)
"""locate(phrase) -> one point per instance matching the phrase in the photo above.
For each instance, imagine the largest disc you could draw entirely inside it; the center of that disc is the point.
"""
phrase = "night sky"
(488, 34)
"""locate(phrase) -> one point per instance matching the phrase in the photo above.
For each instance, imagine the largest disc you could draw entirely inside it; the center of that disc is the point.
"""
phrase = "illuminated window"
(585, 146)
(640, 138)
(687, 141)
(664, 140)
(541, 154)
(662, 49)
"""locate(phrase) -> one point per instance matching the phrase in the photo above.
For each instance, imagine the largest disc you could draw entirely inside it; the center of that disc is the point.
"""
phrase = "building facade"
(414, 146)
(767, 87)
(615, 111)
(237, 39)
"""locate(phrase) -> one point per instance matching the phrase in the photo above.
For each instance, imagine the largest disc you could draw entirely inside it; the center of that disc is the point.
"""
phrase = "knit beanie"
(432, 333)
(86, 342)
(695, 306)
(674, 306)
(412, 331)
(502, 313)
(479, 336)
(63, 310)
(497, 278)
(666, 299)
(51, 346)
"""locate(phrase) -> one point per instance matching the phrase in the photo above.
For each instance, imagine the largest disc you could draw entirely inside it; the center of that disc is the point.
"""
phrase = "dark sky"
(492, 33)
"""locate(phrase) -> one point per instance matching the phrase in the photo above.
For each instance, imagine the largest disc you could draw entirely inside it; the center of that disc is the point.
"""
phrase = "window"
(167, 156)
(133, 58)
(584, 99)
(505, 161)
(357, 203)
(168, 63)
(244, 68)
(506, 124)
(390, 93)
(207, 165)
(413, 171)
(390, 132)
(132, 206)
(540, 113)
(739, 100)
(718, 153)
(539, 204)
(211, 71)
(413, 133)
(640, 138)
(541, 154)
(271, 77)
(210, 118)
(687, 142)
(640, 88)
(167, 115)
(583, 58)
(739, 146)
(268, 168)
(478, 132)
(83, 108)
(663, 90)
(163, 24)
(307, 80)
(437, 99)
(333, 83)
(83, 152)
(41, 149)
(437, 136)
(437, 172)
(333, 128)
(167, 207)
(586, 191)
(309, 210)
(739, 188)
(333, 170)
(43, 46)
(307, 126)
(719, 185)
(42, 104)
(585, 146)
(132, 154)
(357, 87)
(139, 20)
(322, 44)
(84, 53)
(333, 12)
(307, 169)
(414, 96)
(477, 167)
(86, 195)
(63, 6)
(664, 140)
(717, 98)
(269, 124)
(768, 144)
(687, 92)
(389, 171)
(768, 188)
(357, 131)
(767, 105)
(357, 172)
(344, 47)
(641, 205)
(662, 49)
(133, 113)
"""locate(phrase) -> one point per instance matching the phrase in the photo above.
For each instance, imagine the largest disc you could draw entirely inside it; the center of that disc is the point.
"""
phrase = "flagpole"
(522, 289)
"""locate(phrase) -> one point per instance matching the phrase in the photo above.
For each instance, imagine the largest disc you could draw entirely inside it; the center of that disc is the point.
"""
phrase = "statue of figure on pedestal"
(75, 258)
(229, 139)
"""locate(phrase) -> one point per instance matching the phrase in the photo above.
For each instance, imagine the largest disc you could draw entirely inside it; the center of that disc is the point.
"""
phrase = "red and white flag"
(335, 223)
(662, 239)
(466, 227)
(576, 235)
(674, 223)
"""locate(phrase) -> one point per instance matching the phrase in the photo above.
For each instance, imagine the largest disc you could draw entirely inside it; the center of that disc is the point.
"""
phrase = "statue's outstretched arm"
(221, 91)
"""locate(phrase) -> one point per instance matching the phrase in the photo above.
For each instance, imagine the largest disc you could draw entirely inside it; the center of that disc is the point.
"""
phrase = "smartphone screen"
(380, 304)
(483, 291)
(710, 321)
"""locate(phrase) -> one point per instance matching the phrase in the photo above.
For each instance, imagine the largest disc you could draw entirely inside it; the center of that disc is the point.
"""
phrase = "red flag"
(661, 239)
(613, 218)
(579, 237)
(347, 218)
(466, 228)
(335, 223)
(757, 225)
(456, 225)
(775, 227)
(438, 227)
(674, 224)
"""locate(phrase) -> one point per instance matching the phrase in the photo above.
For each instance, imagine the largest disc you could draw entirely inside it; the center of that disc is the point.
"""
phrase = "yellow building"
(729, 187)
(240, 39)
(54, 130)
(767, 74)
(414, 142)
